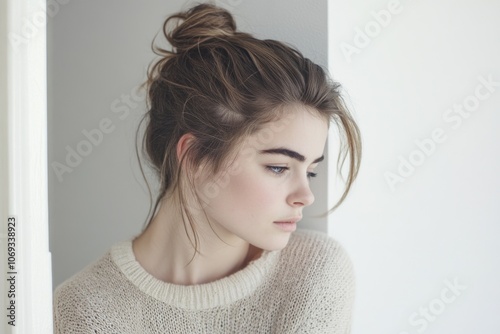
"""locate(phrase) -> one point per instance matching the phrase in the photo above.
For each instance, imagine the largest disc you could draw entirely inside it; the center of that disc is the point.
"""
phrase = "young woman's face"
(268, 182)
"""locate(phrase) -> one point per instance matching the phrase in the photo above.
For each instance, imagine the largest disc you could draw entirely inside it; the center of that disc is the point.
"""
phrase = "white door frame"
(23, 168)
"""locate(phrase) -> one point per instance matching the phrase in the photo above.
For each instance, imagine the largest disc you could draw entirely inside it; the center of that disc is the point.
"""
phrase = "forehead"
(301, 129)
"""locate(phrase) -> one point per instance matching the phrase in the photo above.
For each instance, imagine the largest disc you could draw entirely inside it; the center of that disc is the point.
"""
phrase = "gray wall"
(97, 54)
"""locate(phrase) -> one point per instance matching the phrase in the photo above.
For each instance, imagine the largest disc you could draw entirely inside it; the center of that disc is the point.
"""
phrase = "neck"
(166, 252)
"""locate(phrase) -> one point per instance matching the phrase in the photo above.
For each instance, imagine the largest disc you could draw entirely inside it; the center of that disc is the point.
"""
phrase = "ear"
(182, 145)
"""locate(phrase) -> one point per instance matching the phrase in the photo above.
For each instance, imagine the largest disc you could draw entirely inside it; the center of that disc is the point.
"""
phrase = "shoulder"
(313, 238)
(318, 260)
(317, 249)
(79, 300)
(319, 276)
(88, 279)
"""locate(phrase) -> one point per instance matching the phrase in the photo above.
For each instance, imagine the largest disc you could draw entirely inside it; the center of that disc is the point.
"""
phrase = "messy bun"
(200, 24)
(221, 85)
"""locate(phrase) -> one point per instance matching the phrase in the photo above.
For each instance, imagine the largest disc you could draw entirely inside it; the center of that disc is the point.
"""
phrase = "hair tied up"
(223, 85)
(200, 23)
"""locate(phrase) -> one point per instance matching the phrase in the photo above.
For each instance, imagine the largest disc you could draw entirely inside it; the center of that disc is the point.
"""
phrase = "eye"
(277, 169)
(311, 174)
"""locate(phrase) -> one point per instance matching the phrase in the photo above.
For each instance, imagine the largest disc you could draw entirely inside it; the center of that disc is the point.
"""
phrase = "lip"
(293, 220)
(288, 225)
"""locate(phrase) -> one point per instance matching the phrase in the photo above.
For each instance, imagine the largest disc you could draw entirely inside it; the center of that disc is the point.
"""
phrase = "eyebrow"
(289, 153)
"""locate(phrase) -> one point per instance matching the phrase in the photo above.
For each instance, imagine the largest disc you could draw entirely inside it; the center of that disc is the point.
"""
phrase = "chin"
(276, 243)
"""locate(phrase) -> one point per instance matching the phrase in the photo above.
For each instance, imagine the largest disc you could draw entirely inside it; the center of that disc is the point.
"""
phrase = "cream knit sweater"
(308, 287)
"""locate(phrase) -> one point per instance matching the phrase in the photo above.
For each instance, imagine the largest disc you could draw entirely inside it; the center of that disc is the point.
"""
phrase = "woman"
(235, 128)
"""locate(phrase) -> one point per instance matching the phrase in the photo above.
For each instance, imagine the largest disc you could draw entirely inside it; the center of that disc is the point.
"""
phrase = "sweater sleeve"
(334, 294)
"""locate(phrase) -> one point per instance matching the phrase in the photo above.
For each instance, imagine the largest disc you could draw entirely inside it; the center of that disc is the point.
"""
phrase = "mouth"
(288, 225)
(293, 220)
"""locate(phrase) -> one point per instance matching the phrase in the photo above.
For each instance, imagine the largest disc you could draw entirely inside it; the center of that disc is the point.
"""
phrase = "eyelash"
(271, 168)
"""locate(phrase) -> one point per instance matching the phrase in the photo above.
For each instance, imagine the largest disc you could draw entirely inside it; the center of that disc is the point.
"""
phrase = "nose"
(302, 195)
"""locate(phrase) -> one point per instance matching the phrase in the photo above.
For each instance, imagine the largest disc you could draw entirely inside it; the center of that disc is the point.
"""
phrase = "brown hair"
(222, 85)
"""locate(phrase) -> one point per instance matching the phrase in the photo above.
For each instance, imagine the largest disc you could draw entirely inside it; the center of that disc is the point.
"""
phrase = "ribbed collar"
(195, 297)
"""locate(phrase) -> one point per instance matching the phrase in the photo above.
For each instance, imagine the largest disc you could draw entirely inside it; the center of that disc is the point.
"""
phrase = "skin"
(242, 203)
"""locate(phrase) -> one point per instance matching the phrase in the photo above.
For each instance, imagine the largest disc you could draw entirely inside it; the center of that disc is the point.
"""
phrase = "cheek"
(252, 192)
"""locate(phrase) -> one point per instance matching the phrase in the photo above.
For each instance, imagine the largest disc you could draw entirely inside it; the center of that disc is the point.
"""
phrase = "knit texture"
(307, 287)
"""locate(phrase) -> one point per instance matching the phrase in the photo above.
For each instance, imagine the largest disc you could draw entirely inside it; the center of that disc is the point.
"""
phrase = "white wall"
(98, 52)
(441, 224)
